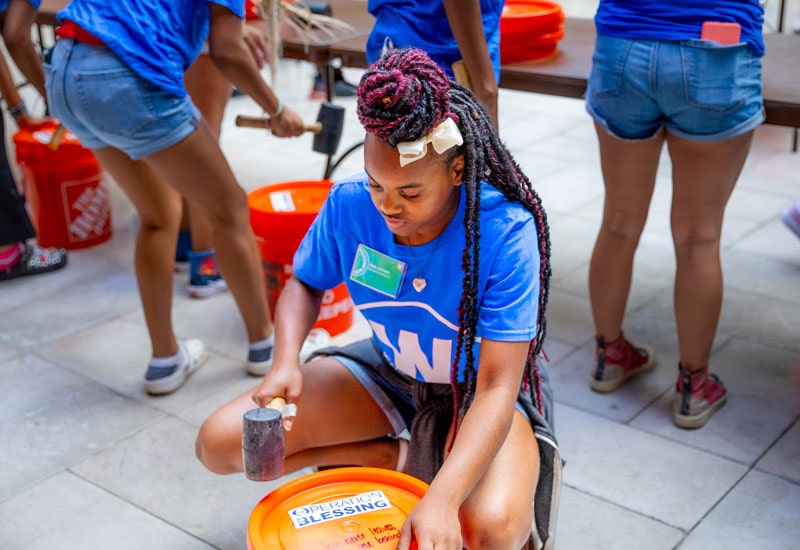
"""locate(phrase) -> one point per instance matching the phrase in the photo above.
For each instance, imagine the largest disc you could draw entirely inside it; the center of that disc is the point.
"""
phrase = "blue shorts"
(391, 389)
(106, 104)
(696, 89)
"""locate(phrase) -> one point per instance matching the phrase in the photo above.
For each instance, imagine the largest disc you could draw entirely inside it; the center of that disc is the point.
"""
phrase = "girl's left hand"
(433, 524)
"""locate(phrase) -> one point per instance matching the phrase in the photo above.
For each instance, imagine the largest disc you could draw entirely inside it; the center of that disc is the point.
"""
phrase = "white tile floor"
(87, 460)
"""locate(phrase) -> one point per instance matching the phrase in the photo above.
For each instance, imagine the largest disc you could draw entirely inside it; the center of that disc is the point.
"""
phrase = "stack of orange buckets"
(530, 30)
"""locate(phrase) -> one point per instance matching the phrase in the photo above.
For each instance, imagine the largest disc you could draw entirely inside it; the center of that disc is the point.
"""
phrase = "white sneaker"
(317, 338)
(164, 380)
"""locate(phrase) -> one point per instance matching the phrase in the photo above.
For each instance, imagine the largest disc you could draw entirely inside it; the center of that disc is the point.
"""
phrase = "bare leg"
(20, 16)
(158, 206)
(337, 423)
(210, 92)
(197, 169)
(703, 177)
(499, 511)
(629, 173)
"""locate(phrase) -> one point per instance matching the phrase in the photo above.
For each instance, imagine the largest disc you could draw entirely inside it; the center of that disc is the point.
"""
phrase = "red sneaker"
(698, 395)
(617, 362)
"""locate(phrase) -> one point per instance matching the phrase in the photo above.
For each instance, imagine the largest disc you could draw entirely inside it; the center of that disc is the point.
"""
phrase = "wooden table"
(566, 74)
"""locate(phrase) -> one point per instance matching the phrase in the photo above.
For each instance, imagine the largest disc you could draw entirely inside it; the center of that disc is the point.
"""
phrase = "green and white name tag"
(377, 271)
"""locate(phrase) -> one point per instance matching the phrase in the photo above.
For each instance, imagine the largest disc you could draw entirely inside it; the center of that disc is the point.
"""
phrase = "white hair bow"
(444, 137)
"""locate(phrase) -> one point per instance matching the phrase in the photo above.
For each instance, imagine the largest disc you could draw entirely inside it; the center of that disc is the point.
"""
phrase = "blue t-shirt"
(423, 24)
(4, 4)
(157, 39)
(679, 19)
(417, 330)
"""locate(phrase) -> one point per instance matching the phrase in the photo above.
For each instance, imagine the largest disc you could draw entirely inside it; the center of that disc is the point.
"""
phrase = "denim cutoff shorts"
(696, 89)
(390, 389)
(106, 104)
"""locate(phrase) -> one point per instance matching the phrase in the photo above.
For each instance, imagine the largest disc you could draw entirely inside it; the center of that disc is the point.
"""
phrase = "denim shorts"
(390, 389)
(696, 89)
(106, 104)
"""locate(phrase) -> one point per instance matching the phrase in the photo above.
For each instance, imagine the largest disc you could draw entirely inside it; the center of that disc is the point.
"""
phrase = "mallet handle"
(277, 403)
(262, 122)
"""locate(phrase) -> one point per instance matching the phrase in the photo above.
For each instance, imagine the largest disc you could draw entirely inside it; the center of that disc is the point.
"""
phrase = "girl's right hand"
(287, 124)
(284, 381)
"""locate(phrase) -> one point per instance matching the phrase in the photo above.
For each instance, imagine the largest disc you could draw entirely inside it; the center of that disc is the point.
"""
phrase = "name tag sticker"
(377, 271)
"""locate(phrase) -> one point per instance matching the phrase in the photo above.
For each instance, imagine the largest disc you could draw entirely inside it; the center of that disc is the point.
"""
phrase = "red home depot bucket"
(68, 198)
(339, 508)
(280, 215)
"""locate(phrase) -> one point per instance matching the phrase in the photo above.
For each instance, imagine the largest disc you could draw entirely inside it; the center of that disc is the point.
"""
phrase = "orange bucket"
(65, 189)
(354, 507)
(280, 215)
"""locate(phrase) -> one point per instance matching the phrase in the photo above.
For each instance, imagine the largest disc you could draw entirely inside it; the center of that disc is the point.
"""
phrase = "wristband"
(279, 110)
(18, 111)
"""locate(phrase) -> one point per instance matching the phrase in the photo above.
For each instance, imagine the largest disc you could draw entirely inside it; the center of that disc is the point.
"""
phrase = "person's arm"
(295, 313)
(465, 21)
(233, 59)
(20, 17)
(481, 434)
(11, 96)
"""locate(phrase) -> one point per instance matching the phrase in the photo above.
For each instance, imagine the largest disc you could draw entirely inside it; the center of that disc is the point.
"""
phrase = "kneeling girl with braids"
(441, 201)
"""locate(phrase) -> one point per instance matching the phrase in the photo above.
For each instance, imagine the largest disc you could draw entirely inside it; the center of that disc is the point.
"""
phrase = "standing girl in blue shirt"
(116, 80)
(688, 75)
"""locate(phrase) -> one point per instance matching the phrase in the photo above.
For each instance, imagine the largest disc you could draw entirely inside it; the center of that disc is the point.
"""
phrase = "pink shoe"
(617, 362)
(698, 395)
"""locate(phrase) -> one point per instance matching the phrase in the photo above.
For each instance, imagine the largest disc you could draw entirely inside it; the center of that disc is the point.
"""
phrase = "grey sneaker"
(164, 380)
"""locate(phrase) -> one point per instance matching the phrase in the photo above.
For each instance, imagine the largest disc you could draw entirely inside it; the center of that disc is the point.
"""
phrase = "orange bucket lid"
(287, 207)
(339, 508)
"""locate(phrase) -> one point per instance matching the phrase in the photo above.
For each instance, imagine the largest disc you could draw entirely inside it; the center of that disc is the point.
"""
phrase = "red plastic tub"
(530, 30)
(65, 189)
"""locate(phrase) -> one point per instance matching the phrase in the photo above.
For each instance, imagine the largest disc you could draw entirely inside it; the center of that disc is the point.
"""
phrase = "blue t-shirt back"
(157, 39)
(423, 24)
(679, 19)
(417, 330)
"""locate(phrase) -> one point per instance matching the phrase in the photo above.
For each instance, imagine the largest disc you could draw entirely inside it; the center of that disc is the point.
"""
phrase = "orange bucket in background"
(65, 189)
(280, 215)
(354, 507)
(530, 30)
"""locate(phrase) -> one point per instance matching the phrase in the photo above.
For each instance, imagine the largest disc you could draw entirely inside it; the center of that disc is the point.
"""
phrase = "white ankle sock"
(263, 344)
(167, 361)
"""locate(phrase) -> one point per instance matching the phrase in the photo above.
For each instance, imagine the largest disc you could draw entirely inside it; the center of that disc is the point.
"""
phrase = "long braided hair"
(402, 97)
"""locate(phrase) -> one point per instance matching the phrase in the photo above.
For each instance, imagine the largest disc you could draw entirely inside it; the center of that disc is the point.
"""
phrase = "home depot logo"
(87, 208)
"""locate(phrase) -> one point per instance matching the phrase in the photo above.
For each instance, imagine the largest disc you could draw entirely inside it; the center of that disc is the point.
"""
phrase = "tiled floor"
(88, 461)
